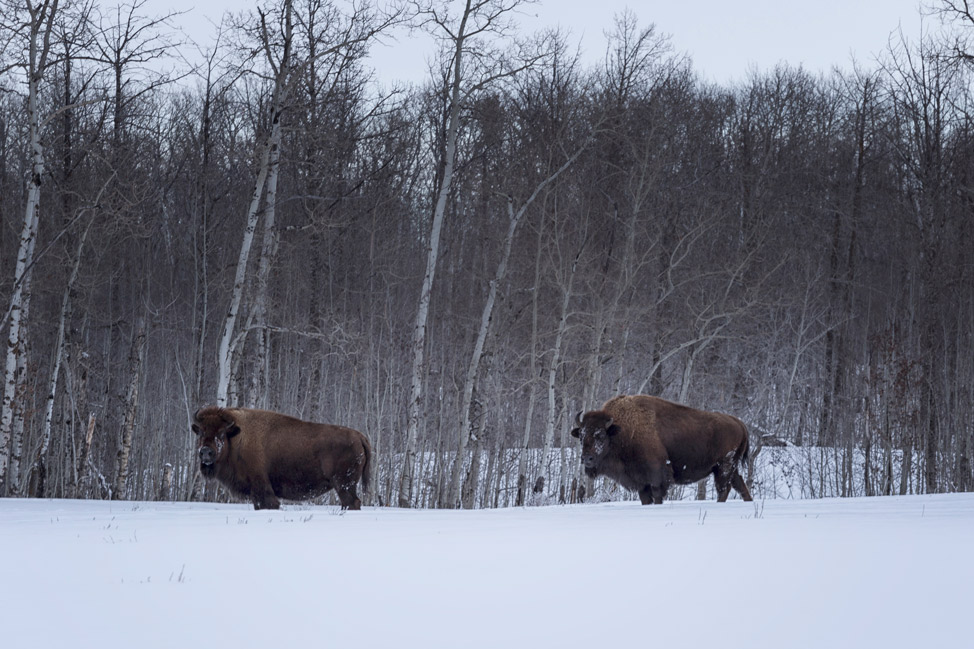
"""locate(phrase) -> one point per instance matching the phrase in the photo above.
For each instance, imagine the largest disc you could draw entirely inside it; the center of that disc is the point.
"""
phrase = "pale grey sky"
(725, 38)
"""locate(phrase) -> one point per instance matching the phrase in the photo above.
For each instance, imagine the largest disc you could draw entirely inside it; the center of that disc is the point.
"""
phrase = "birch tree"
(486, 317)
(34, 25)
(39, 467)
(137, 363)
(268, 152)
(278, 46)
(475, 57)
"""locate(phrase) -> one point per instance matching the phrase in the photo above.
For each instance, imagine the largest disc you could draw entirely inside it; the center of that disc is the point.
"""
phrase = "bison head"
(594, 429)
(213, 428)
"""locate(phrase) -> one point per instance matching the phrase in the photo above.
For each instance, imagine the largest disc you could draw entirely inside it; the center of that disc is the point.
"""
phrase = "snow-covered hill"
(862, 572)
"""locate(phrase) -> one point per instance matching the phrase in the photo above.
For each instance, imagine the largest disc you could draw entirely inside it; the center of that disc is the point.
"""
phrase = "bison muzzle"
(266, 456)
(647, 444)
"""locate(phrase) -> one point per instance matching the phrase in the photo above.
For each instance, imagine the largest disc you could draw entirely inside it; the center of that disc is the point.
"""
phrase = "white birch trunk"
(486, 316)
(13, 379)
(414, 420)
(81, 471)
(39, 466)
(165, 486)
(474, 366)
(18, 415)
(522, 475)
(227, 340)
(268, 251)
(549, 436)
(594, 371)
(137, 358)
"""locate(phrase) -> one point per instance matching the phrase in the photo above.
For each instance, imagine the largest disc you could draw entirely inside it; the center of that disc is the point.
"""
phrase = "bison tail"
(367, 465)
(743, 450)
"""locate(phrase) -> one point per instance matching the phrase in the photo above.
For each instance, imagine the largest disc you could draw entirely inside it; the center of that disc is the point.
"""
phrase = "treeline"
(457, 269)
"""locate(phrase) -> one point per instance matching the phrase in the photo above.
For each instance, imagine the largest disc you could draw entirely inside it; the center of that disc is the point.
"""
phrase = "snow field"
(862, 572)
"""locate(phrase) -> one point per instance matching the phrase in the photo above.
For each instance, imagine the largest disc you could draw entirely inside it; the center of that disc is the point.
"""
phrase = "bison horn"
(578, 418)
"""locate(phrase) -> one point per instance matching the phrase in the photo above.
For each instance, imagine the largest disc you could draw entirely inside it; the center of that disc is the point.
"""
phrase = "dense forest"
(457, 268)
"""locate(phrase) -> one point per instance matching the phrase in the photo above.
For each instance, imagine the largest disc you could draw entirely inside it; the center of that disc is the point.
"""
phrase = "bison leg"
(722, 494)
(265, 499)
(650, 495)
(722, 481)
(740, 486)
(727, 476)
(646, 496)
(348, 497)
(658, 493)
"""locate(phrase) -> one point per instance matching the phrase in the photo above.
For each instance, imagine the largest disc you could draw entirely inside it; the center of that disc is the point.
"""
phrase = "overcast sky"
(725, 38)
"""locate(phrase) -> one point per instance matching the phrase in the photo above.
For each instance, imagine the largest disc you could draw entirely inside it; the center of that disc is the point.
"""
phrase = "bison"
(646, 444)
(266, 456)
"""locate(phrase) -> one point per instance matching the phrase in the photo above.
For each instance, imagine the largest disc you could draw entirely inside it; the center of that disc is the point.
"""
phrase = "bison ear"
(612, 430)
(196, 429)
(230, 427)
(575, 432)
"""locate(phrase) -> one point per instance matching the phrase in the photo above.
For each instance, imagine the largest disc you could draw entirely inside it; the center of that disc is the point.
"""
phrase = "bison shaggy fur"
(647, 444)
(266, 456)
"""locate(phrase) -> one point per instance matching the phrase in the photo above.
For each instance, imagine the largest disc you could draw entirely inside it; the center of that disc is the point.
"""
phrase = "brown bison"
(646, 444)
(266, 456)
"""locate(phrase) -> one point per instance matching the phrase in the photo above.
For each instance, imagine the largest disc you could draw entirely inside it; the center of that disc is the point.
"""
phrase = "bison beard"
(266, 456)
(647, 444)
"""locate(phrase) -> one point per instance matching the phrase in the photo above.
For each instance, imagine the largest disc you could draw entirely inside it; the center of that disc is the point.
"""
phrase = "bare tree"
(472, 62)
(137, 364)
(925, 86)
(794, 249)
(32, 28)
(486, 317)
(285, 66)
(269, 151)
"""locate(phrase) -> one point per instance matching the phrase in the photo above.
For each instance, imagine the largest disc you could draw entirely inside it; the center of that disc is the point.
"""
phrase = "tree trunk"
(268, 252)
(20, 396)
(906, 466)
(418, 344)
(468, 499)
(486, 316)
(11, 409)
(549, 437)
(39, 468)
(229, 338)
(534, 375)
(137, 360)
(81, 471)
(165, 486)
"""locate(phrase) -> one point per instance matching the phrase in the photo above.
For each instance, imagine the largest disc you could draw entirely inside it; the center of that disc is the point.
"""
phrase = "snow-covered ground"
(863, 572)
